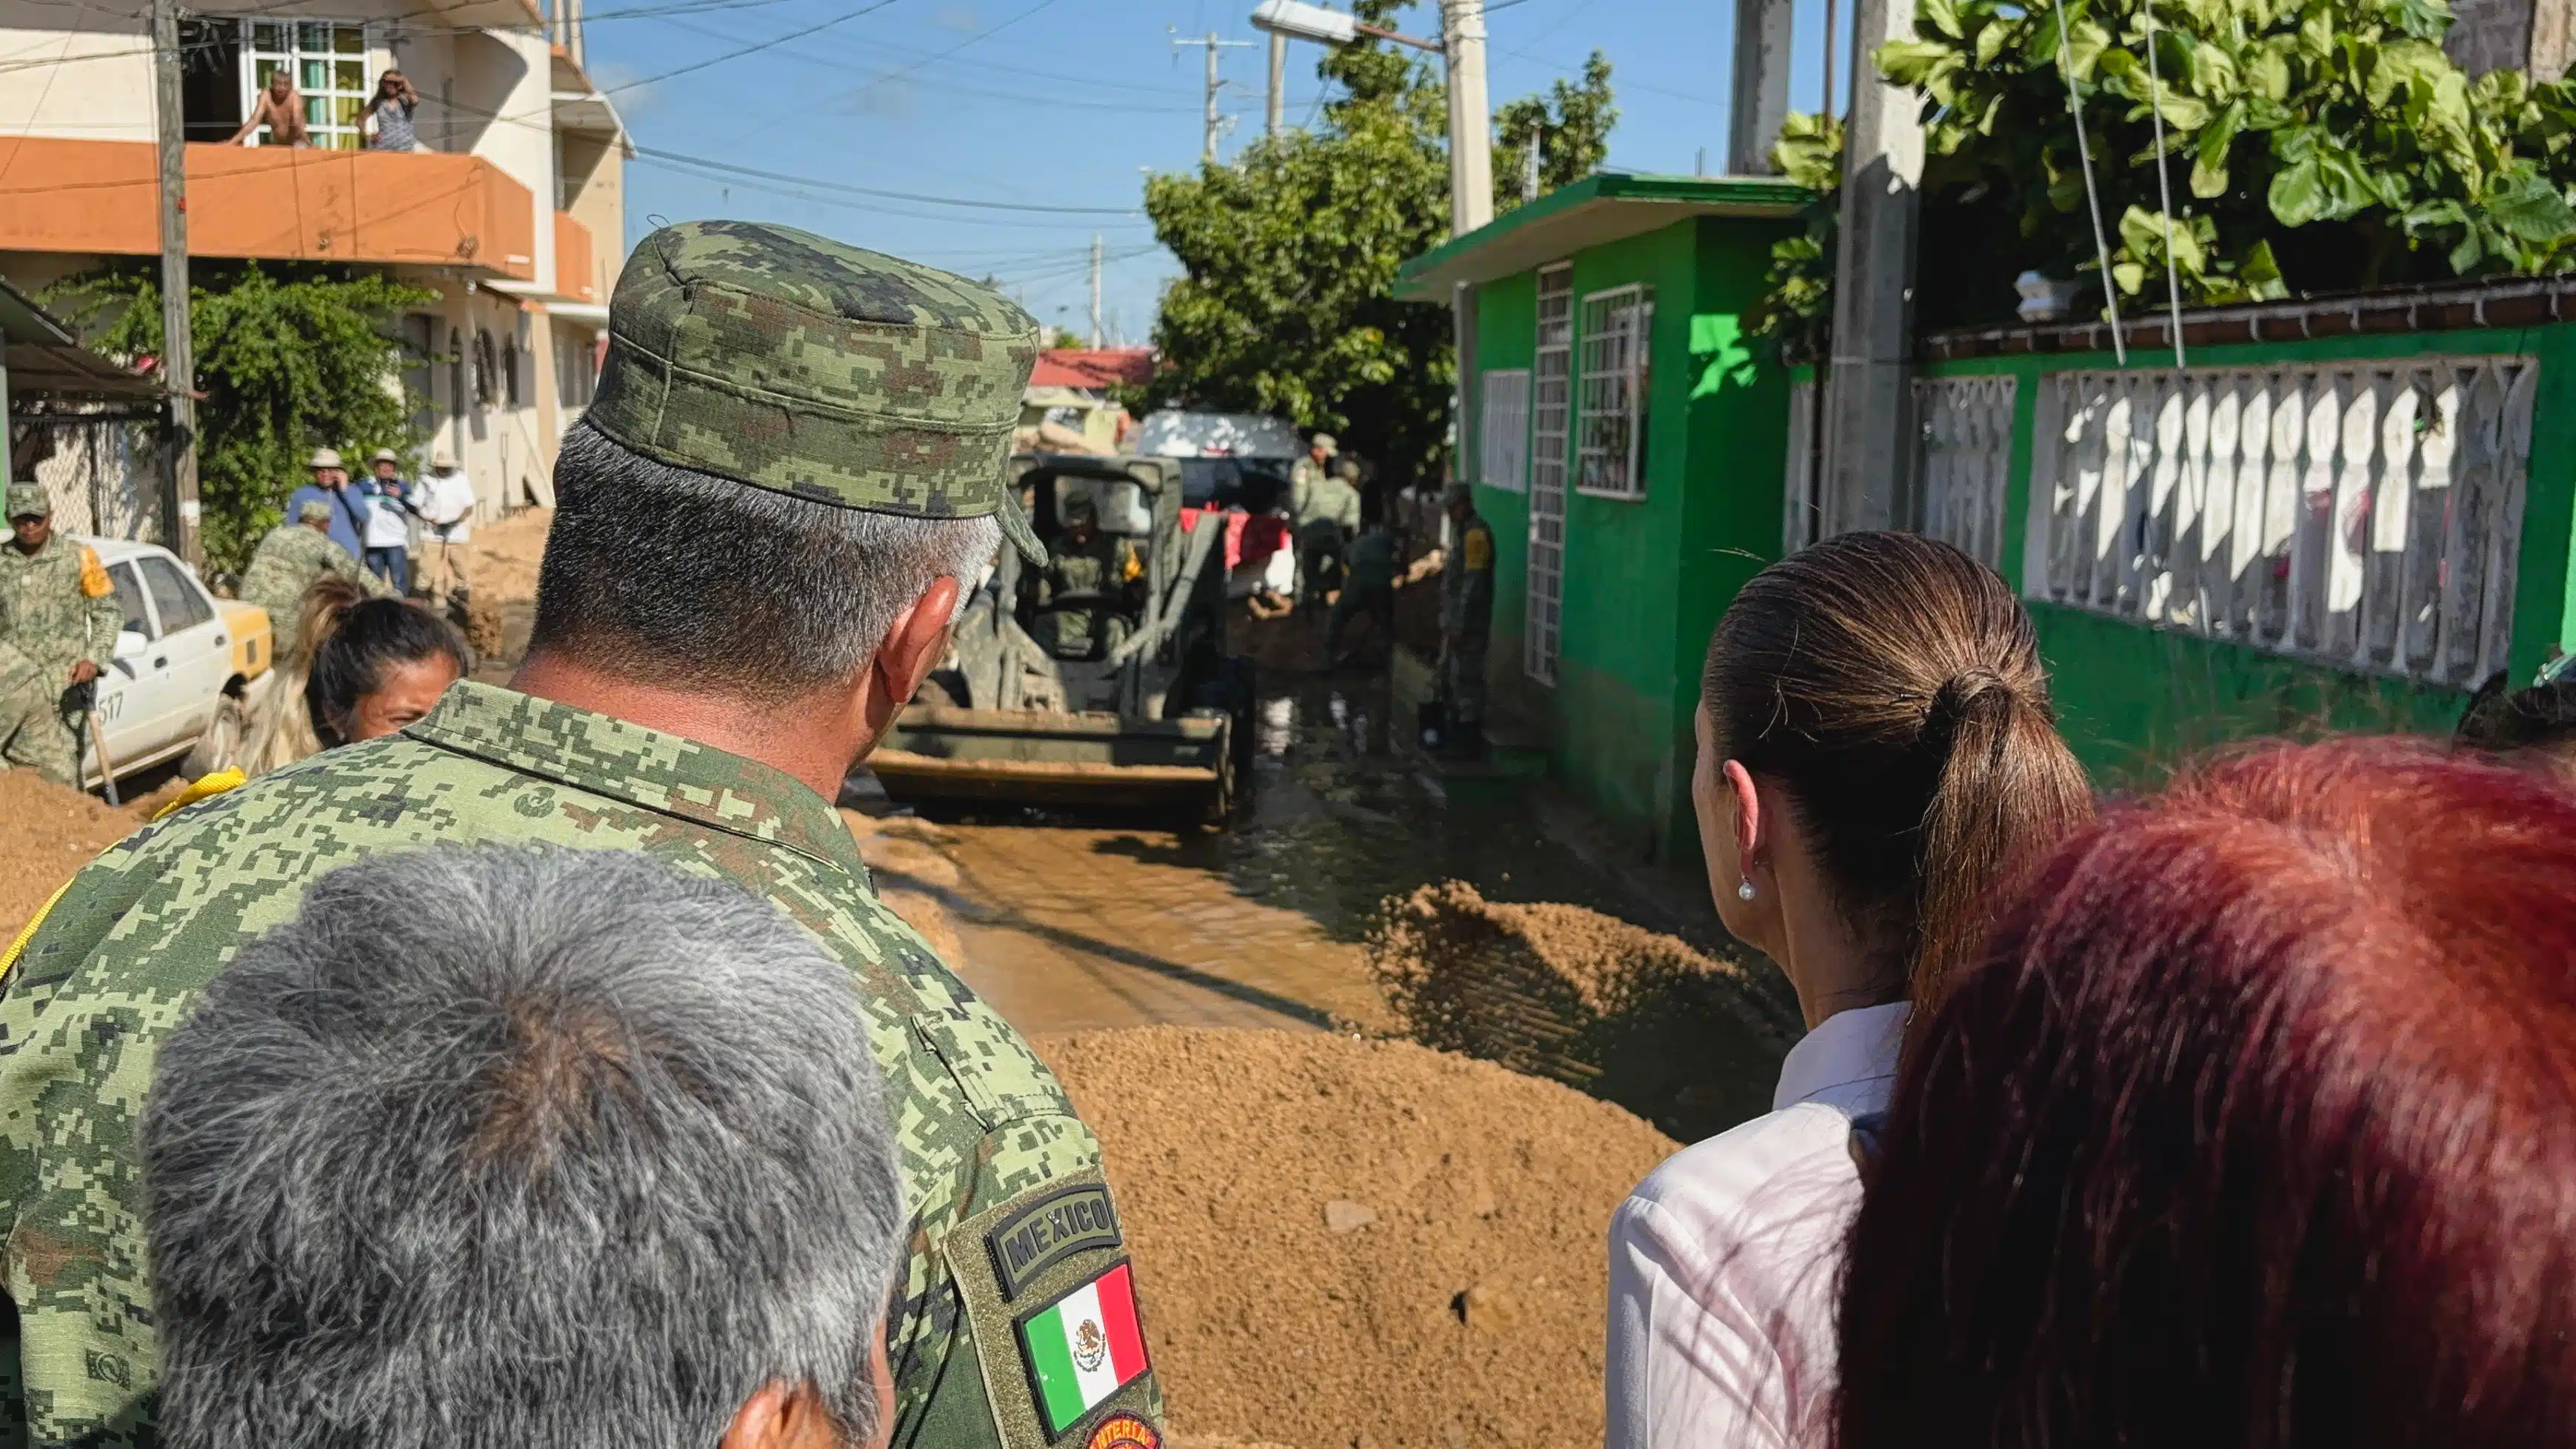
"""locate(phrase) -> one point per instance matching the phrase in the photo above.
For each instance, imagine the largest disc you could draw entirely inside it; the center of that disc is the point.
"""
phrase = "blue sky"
(1048, 113)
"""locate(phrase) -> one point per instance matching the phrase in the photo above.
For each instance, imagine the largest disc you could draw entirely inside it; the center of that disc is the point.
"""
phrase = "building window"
(487, 369)
(1502, 429)
(1551, 402)
(455, 372)
(510, 371)
(2366, 515)
(1618, 326)
(327, 60)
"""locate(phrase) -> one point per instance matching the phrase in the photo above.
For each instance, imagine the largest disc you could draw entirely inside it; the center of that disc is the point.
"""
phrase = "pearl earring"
(1744, 891)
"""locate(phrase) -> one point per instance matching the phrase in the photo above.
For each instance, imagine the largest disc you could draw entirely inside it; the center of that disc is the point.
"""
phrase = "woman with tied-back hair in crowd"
(1875, 747)
(362, 669)
(2253, 1128)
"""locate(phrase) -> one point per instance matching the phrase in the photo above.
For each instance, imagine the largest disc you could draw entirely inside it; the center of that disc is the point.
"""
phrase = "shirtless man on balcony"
(281, 109)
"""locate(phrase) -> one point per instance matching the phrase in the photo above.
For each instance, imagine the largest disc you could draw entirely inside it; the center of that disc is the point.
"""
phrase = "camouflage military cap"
(313, 511)
(793, 363)
(30, 500)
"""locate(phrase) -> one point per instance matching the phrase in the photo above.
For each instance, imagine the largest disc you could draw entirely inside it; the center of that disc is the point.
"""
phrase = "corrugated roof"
(1087, 367)
(47, 361)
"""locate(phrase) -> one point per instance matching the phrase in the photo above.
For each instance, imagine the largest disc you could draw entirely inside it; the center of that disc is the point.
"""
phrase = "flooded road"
(1068, 923)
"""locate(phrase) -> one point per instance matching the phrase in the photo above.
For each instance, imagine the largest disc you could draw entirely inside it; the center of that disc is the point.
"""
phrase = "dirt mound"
(502, 607)
(1347, 1243)
(52, 833)
(1691, 1043)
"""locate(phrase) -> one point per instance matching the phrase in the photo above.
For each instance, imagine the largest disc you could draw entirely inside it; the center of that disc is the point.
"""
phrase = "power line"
(750, 49)
(880, 192)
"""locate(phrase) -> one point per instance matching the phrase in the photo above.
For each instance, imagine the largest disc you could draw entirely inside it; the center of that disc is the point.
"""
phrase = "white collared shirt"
(1722, 1262)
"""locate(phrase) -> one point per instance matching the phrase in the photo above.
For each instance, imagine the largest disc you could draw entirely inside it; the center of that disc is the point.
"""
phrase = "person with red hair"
(2254, 1124)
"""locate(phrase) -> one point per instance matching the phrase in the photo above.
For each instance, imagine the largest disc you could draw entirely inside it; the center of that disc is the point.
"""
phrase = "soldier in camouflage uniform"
(28, 724)
(1466, 619)
(289, 561)
(783, 425)
(58, 607)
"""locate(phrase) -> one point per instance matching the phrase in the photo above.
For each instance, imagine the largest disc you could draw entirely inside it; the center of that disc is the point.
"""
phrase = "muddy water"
(1071, 923)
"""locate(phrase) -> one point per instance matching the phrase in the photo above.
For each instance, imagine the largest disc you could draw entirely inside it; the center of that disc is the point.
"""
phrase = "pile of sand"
(1348, 1243)
(503, 604)
(52, 833)
(1690, 1043)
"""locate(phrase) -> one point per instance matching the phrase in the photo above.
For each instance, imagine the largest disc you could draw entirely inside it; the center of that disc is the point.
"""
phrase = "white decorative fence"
(2365, 514)
(1965, 425)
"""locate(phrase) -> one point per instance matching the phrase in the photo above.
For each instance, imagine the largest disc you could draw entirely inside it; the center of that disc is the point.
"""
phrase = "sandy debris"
(52, 833)
(1689, 1042)
(1346, 1243)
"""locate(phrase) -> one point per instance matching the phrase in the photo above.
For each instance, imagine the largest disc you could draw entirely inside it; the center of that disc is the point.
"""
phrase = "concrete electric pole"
(1471, 118)
(1215, 83)
(1869, 448)
(1095, 291)
(178, 368)
(1761, 100)
(1278, 83)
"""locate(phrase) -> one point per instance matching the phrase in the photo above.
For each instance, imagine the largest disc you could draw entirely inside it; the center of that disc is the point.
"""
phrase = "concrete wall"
(2526, 35)
(2135, 700)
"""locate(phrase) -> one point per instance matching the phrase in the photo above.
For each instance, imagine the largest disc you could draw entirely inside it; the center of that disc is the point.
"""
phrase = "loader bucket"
(1175, 767)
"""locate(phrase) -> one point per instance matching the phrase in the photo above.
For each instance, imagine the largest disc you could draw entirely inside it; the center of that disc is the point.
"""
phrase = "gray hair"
(680, 577)
(530, 1148)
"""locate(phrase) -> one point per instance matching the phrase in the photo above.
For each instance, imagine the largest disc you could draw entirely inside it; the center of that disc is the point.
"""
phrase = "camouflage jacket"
(1467, 580)
(57, 605)
(286, 563)
(1010, 1213)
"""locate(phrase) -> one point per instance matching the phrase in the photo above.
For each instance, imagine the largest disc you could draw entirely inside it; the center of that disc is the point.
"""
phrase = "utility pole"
(1529, 164)
(1095, 291)
(1278, 83)
(1471, 119)
(178, 366)
(1761, 96)
(1215, 118)
(1869, 453)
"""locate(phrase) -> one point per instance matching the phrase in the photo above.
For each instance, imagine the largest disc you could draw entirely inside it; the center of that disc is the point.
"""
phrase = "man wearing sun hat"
(790, 477)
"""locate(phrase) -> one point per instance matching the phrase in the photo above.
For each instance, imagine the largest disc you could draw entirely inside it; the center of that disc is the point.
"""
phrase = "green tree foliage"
(1570, 126)
(1286, 305)
(1796, 313)
(289, 360)
(2312, 145)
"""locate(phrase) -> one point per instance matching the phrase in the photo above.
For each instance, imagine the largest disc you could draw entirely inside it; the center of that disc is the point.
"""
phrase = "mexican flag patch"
(1083, 1347)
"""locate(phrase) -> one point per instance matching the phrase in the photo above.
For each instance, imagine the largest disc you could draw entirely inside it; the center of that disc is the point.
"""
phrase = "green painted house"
(1630, 456)
(2340, 513)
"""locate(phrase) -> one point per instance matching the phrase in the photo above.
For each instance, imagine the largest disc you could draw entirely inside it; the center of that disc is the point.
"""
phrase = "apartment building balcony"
(270, 203)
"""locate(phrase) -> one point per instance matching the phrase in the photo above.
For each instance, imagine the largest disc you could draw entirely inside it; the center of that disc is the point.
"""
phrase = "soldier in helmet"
(289, 560)
(808, 442)
(1092, 570)
(59, 611)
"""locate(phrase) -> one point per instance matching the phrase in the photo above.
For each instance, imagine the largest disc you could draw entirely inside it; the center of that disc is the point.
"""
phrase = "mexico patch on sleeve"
(1083, 1347)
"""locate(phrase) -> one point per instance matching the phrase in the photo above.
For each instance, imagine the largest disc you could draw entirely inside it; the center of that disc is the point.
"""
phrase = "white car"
(186, 664)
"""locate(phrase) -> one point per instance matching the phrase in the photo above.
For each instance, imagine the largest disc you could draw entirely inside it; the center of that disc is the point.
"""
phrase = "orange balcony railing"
(272, 203)
(576, 269)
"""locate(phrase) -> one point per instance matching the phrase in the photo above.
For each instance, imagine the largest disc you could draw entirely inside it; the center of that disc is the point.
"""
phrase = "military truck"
(1140, 708)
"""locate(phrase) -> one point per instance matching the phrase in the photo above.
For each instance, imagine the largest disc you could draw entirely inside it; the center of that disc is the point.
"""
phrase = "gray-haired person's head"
(678, 577)
(536, 1148)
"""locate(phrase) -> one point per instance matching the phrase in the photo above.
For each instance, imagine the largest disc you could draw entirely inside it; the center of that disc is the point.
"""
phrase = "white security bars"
(1617, 326)
(1502, 430)
(1551, 398)
(2367, 514)
(1965, 463)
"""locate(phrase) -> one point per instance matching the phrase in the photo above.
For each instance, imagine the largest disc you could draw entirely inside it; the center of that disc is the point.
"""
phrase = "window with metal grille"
(1617, 327)
(2363, 514)
(1551, 400)
(1502, 430)
(327, 60)
(487, 369)
(1964, 458)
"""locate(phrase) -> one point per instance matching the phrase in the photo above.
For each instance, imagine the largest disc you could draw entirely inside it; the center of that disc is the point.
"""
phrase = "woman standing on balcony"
(281, 110)
(393, 106)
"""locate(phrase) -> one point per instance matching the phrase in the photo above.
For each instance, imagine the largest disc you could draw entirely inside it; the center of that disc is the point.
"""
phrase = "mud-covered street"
(1069, 923)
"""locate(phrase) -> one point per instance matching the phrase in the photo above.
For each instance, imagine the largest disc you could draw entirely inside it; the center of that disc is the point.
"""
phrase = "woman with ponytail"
(1876, 748)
